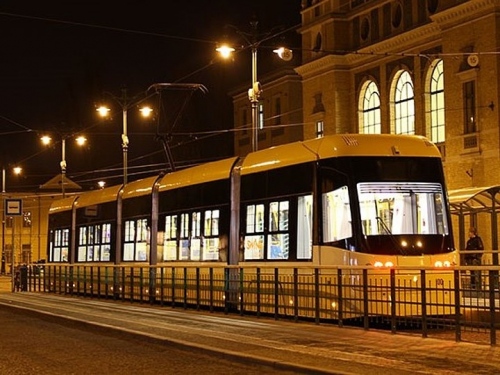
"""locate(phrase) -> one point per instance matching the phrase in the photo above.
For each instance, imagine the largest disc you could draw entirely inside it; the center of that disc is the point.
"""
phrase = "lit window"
(278, 239)
(136, 241)
(404, 105)
(211, 235)
(371, 120)
(170, 240)
(320, 129)
(59, 245)
(254, 237)
(261, 115)
(437, 104)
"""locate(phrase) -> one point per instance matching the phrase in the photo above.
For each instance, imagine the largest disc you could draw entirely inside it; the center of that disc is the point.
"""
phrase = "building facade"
(425, 67)
(24, 236)
(409, 67)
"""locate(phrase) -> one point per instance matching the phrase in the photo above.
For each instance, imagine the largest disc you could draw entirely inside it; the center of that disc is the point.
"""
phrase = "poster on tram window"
(82, 253)
(211, 249)
(141, 251)
(254, 247)
(184, 249)
(195, 249)
(170, 250)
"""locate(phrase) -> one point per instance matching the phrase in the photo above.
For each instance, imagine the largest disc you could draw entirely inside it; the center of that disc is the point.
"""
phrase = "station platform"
(299, 346)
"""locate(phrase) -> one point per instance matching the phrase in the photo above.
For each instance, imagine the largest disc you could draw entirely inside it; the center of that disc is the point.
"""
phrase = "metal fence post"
(492, 280)
(340, 299)
(295, 294)
(276, 293)
(456, 280)
(423, 293)
(392, 277)
(258, 292)
(366, 322)
(185, 280)
(211, 286)
(316, 295)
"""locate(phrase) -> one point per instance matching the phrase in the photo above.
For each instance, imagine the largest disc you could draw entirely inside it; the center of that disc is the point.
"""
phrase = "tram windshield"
(395, 208)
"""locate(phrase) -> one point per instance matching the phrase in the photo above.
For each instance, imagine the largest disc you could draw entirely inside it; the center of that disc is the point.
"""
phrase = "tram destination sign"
(13, 207)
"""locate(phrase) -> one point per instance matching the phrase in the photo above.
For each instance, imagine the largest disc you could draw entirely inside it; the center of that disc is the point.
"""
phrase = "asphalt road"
(36, 345)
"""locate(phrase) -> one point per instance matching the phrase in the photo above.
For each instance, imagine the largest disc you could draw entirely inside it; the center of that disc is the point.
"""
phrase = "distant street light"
(47, 140)
(255, 91)
(125, 103)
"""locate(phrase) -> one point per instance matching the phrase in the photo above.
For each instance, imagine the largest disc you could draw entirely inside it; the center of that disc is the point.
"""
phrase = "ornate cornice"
(468, 10)
(409, 43)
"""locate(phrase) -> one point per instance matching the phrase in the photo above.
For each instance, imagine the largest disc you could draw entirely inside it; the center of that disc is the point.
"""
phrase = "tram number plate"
(439, 282)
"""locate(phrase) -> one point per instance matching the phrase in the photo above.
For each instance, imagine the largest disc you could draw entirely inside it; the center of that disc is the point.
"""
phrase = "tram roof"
(337, 146)
(212, 171)
(474, 199)
(140, 187)
(92, 197)
(63, 204)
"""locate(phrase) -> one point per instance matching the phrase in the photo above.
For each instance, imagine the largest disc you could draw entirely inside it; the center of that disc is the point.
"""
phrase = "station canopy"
(474, 200)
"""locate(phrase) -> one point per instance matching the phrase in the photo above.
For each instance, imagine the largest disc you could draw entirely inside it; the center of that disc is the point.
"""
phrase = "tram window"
(106, 242)
(195, 243)
(210, 235)
(141, 247)
(211, 227)
(337, 224)
(135, 247)
(128, 246)
(82, 244)
(402, 208)
(278, 241)
(196, 224)
(184, 241)
(304, 227)
(254, 238)
(60, 247)
(90, 240)
(94, 243)
(170, 241)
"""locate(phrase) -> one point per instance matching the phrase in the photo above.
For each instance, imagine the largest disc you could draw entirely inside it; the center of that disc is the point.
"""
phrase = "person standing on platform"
(474, 243)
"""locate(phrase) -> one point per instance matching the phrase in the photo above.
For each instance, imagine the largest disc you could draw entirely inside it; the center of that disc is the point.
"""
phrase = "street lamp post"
(254, 93)
(125, 103)
(80, 141)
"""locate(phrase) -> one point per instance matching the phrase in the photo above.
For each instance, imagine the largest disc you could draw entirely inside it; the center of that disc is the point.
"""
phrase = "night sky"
(59, 59)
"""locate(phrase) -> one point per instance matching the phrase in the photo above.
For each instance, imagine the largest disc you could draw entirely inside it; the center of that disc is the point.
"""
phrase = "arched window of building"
(437, 117)
(369, 108)
(404, 104)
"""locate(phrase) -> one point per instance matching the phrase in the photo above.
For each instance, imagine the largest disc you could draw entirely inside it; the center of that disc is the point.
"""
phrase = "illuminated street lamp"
(255, 91)
(125, 103)
(80, 141)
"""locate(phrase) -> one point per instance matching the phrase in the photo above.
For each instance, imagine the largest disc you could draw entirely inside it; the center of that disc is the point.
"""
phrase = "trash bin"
(23, 274)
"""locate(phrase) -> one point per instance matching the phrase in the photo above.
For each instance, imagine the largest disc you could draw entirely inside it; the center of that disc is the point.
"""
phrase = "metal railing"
(460, 303)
